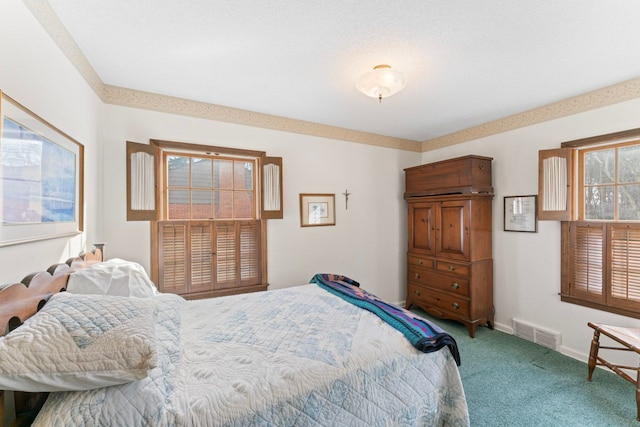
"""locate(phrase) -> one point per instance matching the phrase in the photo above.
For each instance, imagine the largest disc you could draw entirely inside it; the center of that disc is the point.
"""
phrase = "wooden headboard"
(18, 302)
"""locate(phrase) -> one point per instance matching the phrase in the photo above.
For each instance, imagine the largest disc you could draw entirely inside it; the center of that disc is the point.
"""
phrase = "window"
(601, 244)
(208, 236)
(610, 183)
(207, 187)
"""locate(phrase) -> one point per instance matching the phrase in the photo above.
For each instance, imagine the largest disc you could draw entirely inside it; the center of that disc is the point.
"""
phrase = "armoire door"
(421, 222)
(452, 238)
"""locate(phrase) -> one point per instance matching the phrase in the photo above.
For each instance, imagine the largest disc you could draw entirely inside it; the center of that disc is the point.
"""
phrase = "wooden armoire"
(449, 257)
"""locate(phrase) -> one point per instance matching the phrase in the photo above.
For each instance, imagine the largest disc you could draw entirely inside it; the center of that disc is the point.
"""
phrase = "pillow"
(80, 342)
(113, 277)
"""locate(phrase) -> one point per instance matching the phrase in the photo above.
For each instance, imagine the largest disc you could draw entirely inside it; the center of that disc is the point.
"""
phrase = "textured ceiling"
(467, 62)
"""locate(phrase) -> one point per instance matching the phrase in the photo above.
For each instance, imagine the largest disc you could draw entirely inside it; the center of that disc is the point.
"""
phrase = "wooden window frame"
(574, 287)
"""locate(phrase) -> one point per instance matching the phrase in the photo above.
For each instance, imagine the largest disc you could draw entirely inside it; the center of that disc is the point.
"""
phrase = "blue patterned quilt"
(291, 357)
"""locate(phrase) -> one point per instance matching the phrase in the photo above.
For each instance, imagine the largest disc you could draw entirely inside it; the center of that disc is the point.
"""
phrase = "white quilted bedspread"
(297, 356)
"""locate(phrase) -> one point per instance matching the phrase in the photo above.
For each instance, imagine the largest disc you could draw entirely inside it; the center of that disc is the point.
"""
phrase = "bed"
(114, 351)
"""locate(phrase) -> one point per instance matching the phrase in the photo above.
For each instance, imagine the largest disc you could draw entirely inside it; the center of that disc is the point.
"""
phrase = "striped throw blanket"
(423, 335)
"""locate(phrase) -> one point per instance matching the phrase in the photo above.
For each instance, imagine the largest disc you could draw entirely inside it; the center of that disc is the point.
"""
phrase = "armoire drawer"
(431, 279)
(441, 300)
(461, 270)
(417, 261)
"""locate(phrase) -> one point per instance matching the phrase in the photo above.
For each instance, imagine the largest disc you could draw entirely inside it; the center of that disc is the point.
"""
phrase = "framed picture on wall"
(41, 187)
(521, 213)
(317, 209)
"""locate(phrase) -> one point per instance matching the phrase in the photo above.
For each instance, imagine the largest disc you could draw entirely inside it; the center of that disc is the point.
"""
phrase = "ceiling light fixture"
(381, 82)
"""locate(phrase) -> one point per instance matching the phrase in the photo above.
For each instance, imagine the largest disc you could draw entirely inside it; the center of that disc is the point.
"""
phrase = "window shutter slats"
(201, 268)
(249, 251)
(588, 260)
(625, 262)
(173, 257)
(209, 256)
(225, 236)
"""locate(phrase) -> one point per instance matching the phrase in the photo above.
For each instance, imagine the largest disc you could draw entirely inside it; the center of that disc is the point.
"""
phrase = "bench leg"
(593, 354)
(638, 395)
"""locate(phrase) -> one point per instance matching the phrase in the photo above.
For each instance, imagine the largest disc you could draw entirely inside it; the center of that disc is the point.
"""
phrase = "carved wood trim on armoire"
(449, 257)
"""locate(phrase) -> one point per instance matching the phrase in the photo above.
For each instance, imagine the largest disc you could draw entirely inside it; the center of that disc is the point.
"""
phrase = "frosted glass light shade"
(381, 82)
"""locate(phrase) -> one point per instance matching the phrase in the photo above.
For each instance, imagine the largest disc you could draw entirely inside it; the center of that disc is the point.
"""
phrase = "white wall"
(368, 241)
(35, 73)
(527, 265)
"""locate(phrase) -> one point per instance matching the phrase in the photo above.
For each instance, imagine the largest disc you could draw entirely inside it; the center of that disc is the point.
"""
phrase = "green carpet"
(509, 381)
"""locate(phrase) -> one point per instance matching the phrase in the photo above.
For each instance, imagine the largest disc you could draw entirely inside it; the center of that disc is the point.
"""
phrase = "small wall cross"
(346, 195)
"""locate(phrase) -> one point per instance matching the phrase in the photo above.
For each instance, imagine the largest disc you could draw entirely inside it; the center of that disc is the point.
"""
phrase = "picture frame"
(317, 210)
(41, 177)
(521, 213)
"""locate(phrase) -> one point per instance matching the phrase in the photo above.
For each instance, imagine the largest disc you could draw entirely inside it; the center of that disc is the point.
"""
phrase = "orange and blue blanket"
(423, 335)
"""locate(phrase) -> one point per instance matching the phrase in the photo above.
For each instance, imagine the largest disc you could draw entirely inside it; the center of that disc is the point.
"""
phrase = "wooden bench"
(629, 339)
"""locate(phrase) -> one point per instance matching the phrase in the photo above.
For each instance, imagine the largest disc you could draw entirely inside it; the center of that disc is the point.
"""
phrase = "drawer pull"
(455, 305)
(454, 285)
(452, 268)
(419, 262)
(416, 275)
(417, 293)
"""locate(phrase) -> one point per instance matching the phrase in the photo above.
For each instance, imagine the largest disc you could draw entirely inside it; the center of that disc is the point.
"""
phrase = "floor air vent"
(540, 336)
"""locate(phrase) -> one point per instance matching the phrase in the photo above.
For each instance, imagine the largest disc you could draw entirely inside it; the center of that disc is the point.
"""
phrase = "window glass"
(629, 202)
(223, 174)
(243, 204)
(599, 167)
(242, 175)
(201, 204)
(610, 183)
(178, 171)
(629, 164)
(223, 204)
(201, 173)
(599, 202)
(204, 187)
(179, 204)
